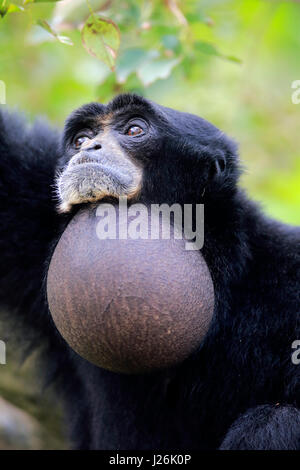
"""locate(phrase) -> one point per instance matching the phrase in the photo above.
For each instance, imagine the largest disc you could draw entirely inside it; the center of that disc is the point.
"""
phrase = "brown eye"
(80, 140)
(134, 130)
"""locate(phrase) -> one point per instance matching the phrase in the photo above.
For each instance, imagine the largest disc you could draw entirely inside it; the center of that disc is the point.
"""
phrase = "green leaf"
(170, 41)
(46, 26)
(152, 71)
(210, 49)
(25, 2)
(206, 48)
(198, 17)
(233, 59)
(11, 8)
(131, 60)
(101, 38)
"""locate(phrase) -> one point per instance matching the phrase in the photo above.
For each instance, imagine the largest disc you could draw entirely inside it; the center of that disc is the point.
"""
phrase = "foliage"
(144, 23)
(231, 62)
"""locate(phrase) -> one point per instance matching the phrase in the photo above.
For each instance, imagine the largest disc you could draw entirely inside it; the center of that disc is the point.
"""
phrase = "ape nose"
(94, 145)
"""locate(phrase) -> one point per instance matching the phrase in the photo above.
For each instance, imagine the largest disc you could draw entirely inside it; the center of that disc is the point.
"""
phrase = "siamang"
(241, 388)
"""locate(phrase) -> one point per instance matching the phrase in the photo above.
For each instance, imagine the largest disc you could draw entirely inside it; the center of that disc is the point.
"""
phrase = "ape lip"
(116, 174)
(82, 160)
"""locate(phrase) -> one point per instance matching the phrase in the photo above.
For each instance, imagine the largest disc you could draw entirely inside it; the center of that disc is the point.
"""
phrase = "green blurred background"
(250, 99)
(232, 62)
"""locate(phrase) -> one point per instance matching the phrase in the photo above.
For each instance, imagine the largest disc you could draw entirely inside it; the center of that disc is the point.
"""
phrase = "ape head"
(133, 147)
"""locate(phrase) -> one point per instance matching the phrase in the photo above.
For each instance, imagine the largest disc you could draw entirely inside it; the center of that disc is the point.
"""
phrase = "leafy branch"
(163, 33)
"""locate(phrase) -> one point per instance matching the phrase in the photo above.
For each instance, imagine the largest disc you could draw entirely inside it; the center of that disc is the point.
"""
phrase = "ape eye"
(79, 140)
(134, 130)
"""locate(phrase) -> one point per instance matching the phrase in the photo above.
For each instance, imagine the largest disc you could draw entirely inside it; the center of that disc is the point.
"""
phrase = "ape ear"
(218, 165)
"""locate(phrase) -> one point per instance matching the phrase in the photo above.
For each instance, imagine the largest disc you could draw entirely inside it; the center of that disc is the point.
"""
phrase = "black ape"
(240, 390)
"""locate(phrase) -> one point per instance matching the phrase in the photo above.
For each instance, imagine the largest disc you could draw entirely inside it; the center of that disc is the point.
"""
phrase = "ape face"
(105, 149)
(135, 148)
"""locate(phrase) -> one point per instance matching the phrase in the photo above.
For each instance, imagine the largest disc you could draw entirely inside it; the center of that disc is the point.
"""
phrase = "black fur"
(240, 390)
(265, 427)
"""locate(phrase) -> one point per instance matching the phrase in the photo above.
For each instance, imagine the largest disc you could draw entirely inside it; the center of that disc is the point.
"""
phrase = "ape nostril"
(93, 146)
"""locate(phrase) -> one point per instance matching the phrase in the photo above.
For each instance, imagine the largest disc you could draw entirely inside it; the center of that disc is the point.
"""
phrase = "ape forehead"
(98, 112)
(168, 120)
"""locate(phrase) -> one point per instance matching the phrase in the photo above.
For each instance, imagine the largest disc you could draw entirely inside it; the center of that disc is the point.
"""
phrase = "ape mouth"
(95, 173)
(88, 180)
(83, 159)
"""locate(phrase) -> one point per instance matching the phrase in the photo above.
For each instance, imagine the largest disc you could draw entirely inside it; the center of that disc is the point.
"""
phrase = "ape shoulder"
(28, 159)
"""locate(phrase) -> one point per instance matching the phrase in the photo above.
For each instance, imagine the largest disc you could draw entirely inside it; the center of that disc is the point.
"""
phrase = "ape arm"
(266, 427)
(28, 158)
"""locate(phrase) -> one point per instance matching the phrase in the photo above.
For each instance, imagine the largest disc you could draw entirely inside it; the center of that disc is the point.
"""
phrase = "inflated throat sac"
(128, 305)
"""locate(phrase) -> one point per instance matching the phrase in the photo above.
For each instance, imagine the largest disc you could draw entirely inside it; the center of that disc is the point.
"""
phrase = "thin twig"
(173, 7)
